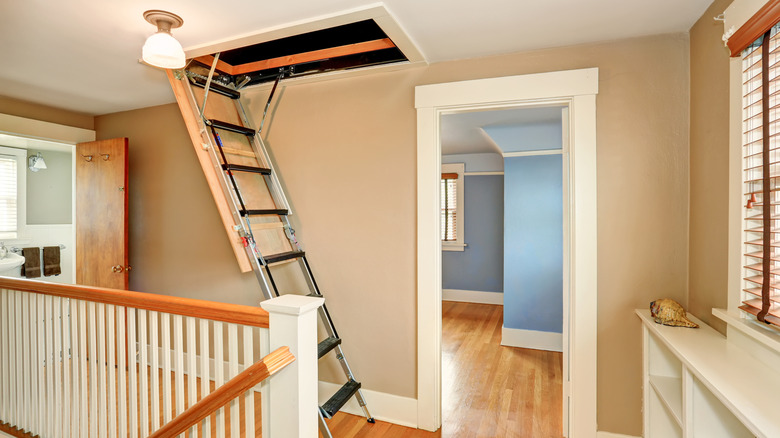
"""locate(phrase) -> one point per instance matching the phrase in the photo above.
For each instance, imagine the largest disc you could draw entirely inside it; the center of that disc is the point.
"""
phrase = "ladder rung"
(282, 212)
(335, 403)
(251, 169)
(217, 88)
(326, 345)
(219, 124)
(282, 256)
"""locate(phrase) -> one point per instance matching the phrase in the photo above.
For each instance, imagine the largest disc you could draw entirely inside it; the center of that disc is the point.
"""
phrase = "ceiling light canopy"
(161, 49)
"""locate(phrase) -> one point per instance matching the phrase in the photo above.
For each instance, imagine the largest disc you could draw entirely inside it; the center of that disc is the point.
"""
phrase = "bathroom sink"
(10, 262)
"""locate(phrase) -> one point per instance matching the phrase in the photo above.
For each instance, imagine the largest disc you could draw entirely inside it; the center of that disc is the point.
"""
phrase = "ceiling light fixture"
(36, 163)
(161, 49)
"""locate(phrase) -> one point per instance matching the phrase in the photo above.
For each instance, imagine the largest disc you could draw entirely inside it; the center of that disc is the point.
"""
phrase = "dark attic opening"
(350, 46)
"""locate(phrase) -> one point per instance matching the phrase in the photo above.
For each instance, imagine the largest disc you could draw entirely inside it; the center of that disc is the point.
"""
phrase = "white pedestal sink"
(10, 262)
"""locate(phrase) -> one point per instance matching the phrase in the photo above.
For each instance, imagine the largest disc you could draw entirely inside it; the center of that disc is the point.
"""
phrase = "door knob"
(117, 268)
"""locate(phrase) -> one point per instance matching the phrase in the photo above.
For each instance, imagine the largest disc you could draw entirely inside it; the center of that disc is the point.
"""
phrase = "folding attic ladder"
(256, 199)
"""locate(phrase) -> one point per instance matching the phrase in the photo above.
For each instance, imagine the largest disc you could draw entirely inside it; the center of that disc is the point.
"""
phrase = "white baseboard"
(385, 407)
(472, 296)
(601, 434)
(532, 339)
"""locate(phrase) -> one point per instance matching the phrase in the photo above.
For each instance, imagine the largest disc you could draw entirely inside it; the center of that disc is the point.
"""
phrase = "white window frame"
(459, 243)
(21, 192)
(742, 328)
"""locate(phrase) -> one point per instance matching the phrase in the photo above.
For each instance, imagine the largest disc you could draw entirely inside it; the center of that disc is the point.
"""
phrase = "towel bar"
(19, 250)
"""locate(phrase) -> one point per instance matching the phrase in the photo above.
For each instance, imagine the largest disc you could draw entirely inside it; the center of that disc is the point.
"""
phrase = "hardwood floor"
(487, 390)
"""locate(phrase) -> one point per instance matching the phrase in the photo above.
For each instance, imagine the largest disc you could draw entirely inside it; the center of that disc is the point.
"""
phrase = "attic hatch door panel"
(349, 46)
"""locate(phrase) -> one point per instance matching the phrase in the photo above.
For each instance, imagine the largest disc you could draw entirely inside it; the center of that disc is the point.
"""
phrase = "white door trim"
(577, 89)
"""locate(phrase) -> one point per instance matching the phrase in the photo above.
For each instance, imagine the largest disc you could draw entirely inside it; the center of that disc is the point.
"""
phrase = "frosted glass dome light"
(161, 49)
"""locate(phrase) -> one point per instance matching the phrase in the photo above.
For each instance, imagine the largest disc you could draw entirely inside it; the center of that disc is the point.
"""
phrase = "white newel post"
(293, 391)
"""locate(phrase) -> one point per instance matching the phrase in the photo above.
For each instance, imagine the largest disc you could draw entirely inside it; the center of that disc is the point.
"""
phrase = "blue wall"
(480, 266)
(533, 250)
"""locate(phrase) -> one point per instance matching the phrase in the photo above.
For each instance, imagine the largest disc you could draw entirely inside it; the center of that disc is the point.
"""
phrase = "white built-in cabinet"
(697, 384)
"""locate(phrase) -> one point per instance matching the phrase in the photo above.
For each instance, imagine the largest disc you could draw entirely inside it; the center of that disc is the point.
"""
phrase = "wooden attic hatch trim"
(283, 61)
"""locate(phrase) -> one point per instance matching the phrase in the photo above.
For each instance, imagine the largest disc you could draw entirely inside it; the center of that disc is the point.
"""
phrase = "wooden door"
(101, 213)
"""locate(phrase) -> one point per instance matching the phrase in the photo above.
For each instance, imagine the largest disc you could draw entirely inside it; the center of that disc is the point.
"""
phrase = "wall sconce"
(36, 163)
(161, 49)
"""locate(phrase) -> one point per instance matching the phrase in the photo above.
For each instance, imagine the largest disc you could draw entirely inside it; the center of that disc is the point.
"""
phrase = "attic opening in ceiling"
(349, 46)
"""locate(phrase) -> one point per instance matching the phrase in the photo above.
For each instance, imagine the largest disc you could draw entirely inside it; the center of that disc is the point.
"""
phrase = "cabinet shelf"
(669, 391)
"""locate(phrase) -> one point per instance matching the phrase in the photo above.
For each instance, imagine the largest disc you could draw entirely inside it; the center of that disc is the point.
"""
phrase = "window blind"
(449, 206)
(8, 202)
(761, 164)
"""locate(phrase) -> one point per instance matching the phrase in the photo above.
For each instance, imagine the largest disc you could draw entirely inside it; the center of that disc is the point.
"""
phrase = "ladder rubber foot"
(225, 126)
(250, 169)
(282, 256)
(371, 420)
(327, 345)
(280, 212)
(217, 88)
(340, 398)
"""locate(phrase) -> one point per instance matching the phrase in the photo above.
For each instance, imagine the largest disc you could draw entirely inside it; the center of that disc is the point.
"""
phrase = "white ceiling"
(467, 133)
(82, 55)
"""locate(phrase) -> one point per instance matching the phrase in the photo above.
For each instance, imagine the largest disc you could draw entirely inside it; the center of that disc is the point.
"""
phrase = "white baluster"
(235, 418)
(143, 373)
(178, 348)
(132, 371)
(101, 367)
(65, 358)
(75, 360)
(34, 364)
(24, 326)
(205, 372)
(42, 366)
(122, 356)
(192, 369)
(249, 396)
(111, 365)
(154, 370)
(219, 374)
(50, 369)
(84, 357)
(166, 361)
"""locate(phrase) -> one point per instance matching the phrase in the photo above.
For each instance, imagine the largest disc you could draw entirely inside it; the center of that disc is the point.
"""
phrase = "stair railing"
(79, 361)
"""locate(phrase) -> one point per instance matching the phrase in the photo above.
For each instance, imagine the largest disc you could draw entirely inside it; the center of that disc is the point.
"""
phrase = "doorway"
(576, 90)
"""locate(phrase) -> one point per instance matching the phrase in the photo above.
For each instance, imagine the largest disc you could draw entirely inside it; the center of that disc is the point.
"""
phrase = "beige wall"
(20, 108)
(708, 264)
(346, 152)
(50, 191)
(177, 243)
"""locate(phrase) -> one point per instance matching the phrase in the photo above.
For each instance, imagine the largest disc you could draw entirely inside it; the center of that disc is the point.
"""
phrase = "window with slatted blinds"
(449, 207)
(8, 197)
(761, 164)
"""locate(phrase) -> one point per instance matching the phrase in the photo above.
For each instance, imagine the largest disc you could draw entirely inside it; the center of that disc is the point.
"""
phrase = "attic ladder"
(250, 187)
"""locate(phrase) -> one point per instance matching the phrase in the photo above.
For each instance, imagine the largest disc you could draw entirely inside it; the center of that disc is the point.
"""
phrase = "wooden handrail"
(232, 313)
(236, 386)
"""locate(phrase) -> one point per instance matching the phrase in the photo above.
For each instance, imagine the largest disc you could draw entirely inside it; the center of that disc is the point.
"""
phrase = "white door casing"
(577, 89)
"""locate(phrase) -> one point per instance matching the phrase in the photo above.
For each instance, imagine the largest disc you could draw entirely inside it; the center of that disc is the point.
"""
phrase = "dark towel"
(51, 261)
(32, 262)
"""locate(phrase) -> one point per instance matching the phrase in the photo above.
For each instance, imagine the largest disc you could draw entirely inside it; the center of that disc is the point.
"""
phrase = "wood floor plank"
(488, 390)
